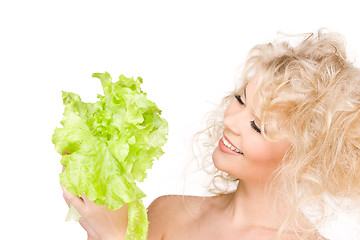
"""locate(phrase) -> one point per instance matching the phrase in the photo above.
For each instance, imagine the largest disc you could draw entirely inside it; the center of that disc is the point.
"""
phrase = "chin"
(220, 162)
(230, 164)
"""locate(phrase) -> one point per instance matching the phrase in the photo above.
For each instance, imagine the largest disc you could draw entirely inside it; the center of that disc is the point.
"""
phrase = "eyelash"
(239, 99)
(252, 123)
(256, 128)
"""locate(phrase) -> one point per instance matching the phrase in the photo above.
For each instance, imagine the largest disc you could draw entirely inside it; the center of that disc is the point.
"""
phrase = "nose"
(235, 117)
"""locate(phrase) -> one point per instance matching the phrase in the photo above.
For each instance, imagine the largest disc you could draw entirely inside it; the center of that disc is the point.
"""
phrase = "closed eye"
(255, 127)
(252, 123)
(239, 99)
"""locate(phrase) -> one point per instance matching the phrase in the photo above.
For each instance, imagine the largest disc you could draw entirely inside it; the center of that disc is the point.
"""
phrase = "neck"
(252, 206)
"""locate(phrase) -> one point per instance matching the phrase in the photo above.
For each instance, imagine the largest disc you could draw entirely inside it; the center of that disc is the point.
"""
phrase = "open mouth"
(230, 146)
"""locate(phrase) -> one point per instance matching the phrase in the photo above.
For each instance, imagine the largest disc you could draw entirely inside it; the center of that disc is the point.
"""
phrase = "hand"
(98, 222)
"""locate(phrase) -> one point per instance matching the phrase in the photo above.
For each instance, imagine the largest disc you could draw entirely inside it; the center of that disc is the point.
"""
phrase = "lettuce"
(112, 143)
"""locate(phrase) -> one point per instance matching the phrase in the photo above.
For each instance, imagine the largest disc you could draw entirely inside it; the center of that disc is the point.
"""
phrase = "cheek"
(259, 153)
(262, 158)
(265, 153)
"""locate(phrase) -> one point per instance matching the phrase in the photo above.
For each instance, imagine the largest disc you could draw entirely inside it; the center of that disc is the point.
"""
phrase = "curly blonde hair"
(309, 94)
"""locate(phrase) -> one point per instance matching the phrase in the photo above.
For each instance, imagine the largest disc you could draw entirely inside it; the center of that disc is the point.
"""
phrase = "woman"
(289, 136)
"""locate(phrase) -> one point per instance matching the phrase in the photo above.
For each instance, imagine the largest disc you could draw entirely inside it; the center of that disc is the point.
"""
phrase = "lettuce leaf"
(112, 143)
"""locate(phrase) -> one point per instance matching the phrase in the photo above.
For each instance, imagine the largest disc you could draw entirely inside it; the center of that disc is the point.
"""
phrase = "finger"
(74, 200)
(85, 199)
(64, 195)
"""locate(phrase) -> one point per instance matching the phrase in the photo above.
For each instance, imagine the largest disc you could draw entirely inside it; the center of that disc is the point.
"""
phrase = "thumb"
(74, 200)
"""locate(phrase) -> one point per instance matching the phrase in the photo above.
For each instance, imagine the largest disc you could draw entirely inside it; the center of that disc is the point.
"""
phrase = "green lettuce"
(112, 143)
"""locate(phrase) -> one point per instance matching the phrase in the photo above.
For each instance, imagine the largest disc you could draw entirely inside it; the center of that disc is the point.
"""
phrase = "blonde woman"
(289, 136)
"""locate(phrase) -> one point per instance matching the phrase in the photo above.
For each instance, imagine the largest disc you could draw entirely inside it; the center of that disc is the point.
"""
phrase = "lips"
(226, 146)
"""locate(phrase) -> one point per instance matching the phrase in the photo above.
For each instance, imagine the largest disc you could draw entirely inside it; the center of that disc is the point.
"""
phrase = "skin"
(244, 214)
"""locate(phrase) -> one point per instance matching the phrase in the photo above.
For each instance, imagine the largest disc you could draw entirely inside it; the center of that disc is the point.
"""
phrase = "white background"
(187, 53)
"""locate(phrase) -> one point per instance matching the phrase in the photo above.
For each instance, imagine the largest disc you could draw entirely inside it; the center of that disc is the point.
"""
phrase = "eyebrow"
(245, 92)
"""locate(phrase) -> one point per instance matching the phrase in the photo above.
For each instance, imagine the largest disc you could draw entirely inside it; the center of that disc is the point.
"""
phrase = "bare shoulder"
(171, 213)
(173, 203)
(178, 217)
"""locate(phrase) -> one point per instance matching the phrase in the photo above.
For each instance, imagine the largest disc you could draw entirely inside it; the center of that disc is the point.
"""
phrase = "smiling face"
(243, 152)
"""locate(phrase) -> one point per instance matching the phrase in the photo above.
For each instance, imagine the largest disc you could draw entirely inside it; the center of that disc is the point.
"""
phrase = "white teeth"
(226, 143)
